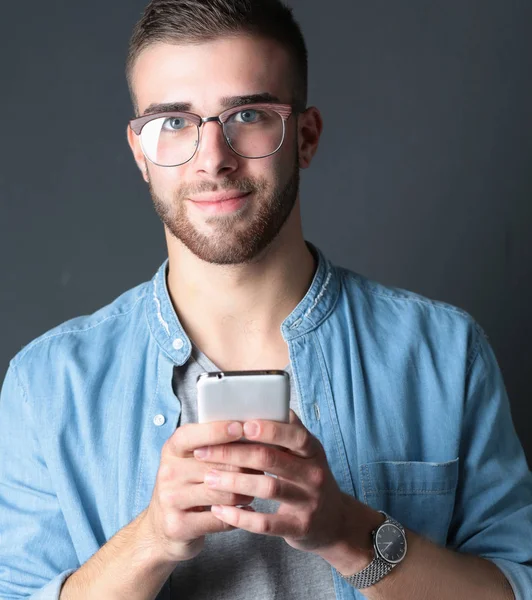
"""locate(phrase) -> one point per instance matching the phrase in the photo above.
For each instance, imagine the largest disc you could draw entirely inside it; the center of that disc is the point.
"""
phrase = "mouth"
(219, 203)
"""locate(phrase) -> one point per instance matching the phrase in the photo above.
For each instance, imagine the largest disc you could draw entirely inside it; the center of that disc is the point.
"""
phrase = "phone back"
(243, 395)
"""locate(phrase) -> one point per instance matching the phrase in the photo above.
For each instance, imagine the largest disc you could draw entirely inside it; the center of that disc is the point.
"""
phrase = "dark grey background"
(423, 179)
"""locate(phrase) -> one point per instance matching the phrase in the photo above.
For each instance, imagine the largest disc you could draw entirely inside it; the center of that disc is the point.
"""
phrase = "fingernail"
(251, 429)
(218, 510)
(235, 429)
(212, 478)
(201, 452)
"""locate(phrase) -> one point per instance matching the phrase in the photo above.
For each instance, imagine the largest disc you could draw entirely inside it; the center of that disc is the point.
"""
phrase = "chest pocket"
(420, 495)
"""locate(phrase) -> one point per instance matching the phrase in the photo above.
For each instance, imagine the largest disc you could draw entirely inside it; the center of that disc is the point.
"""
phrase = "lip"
(219, 197)
(217, 204)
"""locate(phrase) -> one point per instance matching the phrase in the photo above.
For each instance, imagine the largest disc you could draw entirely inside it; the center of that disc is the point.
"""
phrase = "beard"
(234, 238)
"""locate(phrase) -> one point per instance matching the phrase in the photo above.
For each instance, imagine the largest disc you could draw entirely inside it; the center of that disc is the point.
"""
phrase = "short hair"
(197, 21)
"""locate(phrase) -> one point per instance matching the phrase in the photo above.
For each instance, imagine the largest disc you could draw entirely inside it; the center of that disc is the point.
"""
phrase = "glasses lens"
(254, 133)
(169, 141)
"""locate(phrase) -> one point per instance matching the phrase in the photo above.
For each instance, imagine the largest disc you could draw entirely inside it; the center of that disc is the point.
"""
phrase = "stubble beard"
(238, 237)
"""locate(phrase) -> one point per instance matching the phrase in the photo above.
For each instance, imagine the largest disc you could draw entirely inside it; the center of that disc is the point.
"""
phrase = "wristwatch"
(389, 546)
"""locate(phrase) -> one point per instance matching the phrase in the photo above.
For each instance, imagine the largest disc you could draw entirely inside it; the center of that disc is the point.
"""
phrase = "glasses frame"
(283, 110)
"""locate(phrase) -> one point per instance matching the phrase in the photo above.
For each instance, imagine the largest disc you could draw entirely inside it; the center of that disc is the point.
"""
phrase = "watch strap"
(378, 567)
(374, 572)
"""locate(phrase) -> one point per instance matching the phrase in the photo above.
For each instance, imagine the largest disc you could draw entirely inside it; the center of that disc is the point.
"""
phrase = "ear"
(138, 155)
(310, 126)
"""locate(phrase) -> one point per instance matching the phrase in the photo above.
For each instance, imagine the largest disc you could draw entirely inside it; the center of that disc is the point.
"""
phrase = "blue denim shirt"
(403, 392)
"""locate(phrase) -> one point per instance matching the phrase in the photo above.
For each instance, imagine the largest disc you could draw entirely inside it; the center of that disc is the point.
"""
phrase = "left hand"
(313, 514)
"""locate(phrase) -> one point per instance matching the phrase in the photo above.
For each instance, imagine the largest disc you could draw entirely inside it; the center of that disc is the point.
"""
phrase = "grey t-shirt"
(238, 565)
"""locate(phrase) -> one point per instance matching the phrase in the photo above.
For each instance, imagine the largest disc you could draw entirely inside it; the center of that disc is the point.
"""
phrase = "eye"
(175, 123)
(247, 116)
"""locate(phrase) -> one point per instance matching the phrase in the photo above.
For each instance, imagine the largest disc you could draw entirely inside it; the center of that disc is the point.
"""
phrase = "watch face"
(390, 543)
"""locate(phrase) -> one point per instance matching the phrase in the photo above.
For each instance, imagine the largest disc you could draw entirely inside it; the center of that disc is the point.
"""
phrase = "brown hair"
(196, 21)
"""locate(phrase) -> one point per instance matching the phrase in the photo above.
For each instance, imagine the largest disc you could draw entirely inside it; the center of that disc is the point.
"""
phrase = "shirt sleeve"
(36, 551)
(493, 512)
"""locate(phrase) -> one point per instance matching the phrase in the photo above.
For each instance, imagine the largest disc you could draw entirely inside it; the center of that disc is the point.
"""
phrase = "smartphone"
(243, 395)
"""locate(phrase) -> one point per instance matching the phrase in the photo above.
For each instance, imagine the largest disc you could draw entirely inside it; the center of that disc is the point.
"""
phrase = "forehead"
(203, 73)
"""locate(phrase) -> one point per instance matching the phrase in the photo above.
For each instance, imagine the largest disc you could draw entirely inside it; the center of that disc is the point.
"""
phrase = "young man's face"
(202, 75)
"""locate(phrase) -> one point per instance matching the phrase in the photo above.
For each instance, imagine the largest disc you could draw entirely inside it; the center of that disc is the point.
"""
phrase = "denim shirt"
(404, 394)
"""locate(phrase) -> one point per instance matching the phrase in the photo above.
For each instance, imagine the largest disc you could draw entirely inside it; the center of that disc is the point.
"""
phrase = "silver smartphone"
(243, 395)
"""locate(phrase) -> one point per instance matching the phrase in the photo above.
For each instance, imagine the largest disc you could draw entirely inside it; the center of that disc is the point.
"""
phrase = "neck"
(238, 310)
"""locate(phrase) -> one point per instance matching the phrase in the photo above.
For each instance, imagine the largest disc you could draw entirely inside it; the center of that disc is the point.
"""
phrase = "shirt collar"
(314, 307)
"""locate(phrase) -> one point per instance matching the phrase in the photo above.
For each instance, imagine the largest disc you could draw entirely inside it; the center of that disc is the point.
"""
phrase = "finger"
(190, 470)
(205, 523)
(293, 418)
(261, 458)
(200, 495)
(194, 435)
(225, 467)
(256, 522)
(293, 436)
(257, 486)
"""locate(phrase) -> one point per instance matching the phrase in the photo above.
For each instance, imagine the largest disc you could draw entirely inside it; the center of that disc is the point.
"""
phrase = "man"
(108, 486)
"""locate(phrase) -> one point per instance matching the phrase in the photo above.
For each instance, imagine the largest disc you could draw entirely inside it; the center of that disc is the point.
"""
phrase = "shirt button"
(159, 420)
(178, 343)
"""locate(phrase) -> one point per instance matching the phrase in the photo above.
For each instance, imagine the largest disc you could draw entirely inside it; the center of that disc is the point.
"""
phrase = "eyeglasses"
(170, 139)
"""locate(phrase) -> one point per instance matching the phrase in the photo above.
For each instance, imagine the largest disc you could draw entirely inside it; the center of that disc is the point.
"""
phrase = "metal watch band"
(374, 572)
(377, 568)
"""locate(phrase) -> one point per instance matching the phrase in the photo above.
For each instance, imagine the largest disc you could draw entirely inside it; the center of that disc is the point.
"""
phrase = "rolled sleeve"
(36, 551)
(493, 510)
(52, 590)
(518, 577)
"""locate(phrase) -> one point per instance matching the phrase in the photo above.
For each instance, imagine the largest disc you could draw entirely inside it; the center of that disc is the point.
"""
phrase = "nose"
(213, 156)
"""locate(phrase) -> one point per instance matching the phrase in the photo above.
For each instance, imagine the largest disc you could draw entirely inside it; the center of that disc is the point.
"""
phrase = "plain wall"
(422, 181)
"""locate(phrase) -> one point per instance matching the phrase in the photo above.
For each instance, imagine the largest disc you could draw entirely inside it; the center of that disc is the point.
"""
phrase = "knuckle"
(272, 487)
(267, 457)
(305, 523)
(166, 472)
(236, 524)
(172, 525)
(273, 432)
(313, 507)
(179, 441)
(317, 476)
(224, 452)
(303, 439)
(263, 525)
(166, 450)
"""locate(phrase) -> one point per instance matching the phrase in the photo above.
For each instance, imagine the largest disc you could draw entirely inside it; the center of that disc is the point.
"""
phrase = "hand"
(314, 514)
(179, 516)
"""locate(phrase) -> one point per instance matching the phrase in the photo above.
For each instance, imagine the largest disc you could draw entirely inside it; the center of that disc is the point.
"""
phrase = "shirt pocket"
(420, 495)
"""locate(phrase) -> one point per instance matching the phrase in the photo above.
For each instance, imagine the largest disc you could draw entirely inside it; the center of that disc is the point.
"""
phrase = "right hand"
(179, 515)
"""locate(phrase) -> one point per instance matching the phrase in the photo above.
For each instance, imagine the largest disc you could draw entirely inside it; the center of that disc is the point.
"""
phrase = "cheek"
(279, 165)
(167, 181)
(285, 162)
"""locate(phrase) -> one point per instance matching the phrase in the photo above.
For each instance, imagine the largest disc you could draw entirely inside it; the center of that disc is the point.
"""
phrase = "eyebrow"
(226, 102)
